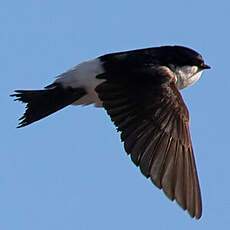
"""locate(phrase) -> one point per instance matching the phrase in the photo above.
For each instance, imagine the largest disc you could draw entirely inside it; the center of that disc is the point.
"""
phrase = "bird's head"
(186, 63)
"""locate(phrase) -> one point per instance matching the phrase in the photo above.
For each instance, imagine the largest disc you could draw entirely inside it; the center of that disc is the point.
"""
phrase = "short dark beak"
(204, 66)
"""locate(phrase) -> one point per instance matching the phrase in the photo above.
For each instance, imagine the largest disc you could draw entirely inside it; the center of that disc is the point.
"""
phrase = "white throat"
(187, 76)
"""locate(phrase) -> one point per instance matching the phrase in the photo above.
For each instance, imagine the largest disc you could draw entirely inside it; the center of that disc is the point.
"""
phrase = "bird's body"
(85, 75)
(140, 91)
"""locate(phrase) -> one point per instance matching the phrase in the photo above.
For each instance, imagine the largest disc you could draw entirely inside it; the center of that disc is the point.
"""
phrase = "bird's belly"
(84, 76)
(90, 98)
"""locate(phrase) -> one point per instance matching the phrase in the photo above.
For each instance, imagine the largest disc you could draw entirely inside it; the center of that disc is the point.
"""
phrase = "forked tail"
(42, 103)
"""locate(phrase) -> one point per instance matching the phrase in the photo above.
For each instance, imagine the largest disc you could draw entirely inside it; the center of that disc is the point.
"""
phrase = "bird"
(140, 91)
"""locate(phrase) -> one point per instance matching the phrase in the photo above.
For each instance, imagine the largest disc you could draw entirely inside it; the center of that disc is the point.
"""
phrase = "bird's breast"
(187, 76)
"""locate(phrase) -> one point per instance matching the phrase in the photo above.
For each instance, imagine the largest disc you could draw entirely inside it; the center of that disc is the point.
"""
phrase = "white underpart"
(187, 76)
(84, 76)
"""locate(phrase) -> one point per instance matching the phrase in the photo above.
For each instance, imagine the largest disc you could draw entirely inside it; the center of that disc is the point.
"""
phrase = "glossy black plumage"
(140, 91)
(163, 55)
(41, 103)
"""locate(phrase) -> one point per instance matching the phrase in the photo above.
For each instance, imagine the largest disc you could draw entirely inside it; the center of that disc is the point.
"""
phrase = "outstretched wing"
(153, 120)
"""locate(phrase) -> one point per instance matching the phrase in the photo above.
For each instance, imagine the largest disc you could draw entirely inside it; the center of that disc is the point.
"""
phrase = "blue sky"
(70, 171)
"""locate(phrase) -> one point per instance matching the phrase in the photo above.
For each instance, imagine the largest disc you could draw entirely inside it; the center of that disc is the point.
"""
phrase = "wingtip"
(194, 212)
(193, 215)
(198, 213)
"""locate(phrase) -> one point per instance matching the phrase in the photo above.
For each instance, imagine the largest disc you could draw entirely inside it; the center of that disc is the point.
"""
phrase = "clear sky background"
(70, 171)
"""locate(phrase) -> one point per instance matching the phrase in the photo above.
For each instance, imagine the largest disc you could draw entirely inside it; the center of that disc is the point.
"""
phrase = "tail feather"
(42, 103)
